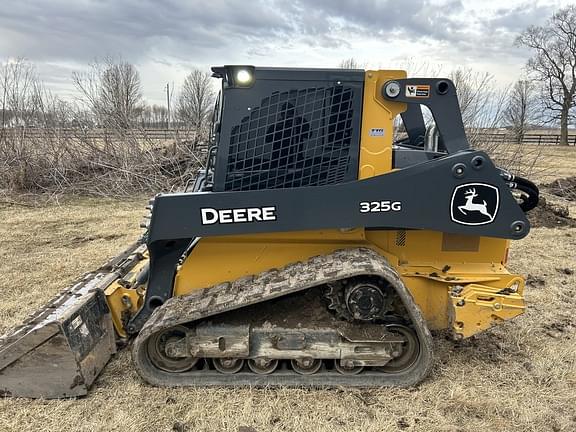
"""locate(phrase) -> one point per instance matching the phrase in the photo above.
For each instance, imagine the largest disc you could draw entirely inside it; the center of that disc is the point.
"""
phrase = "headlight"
(243, 77)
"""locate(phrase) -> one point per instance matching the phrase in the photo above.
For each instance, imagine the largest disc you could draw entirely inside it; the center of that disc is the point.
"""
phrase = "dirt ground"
(520, 376)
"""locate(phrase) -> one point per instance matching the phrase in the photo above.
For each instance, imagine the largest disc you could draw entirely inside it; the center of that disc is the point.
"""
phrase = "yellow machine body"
(459, 282)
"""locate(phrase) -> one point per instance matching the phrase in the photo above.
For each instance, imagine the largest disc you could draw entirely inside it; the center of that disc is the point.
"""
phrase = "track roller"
(306, 366)
(263, 366)
(228, 365)
(346, 367)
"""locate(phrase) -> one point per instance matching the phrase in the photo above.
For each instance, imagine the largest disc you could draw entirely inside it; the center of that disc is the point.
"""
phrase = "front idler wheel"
(409, 352)
(160, 357)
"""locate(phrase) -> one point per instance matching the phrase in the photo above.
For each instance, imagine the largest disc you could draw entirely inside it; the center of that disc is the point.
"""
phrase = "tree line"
(110, 95)
(121, 161)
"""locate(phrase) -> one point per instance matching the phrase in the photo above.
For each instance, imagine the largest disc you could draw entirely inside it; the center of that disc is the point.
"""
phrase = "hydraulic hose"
(530, 193)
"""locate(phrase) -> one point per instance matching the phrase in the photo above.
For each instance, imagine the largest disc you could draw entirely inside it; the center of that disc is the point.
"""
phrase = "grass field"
(520, 376)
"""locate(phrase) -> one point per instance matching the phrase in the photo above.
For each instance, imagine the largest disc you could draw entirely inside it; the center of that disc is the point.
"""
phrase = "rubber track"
(319, 270)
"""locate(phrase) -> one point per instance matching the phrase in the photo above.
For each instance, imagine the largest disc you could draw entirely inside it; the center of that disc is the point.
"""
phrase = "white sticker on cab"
(376, 132)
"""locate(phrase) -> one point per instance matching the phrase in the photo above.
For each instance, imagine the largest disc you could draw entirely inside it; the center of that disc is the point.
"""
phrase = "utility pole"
(3, 132)
(168, 103)
(5, 86)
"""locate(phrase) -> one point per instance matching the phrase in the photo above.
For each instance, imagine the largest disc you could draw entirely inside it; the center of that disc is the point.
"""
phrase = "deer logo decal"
(470, 194)
(474, 204)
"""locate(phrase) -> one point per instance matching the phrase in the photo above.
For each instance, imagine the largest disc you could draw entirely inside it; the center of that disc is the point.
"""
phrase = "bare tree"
(481, 102)
(21, 93)
(483, 105)
(63, 152)
(554, 64)
(351, 63)
(121, 93)
(521, 109)
(417, 67)
(113, 92)
(154, 116)
(159, 115)
(196, 101)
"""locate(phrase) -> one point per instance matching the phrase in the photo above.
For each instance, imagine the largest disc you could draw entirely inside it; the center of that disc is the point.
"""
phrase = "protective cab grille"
(300, 137)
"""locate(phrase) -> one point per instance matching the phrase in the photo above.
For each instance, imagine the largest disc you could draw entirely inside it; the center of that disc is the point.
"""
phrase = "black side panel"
(460, 193)
(426, 193)
(285, 133)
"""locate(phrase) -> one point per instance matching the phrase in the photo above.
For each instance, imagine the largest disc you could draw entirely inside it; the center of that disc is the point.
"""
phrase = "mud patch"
(535, 281)
(550, 215)
(559, 328)
(565, 270)
(564, 188)
(490, 348)
(179, 427)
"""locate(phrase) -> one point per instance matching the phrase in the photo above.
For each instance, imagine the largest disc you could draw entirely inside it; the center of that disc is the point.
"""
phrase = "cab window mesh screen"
(295, 138)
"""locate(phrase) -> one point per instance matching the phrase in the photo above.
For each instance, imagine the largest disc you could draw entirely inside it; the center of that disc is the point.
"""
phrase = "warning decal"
(418, 91)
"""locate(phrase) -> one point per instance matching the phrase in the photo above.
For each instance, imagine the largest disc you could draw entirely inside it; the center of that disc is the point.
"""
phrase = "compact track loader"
(330, 232)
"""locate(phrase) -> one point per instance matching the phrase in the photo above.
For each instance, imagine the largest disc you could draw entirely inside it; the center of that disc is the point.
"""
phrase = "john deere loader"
(333, 229)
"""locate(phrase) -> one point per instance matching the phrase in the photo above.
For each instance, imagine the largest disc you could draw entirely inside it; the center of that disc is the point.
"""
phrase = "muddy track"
(273, 284)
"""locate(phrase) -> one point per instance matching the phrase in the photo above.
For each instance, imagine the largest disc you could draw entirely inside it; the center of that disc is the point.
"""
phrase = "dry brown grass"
(45, 247)
(520, 376)
(555, 162)
(543, 163)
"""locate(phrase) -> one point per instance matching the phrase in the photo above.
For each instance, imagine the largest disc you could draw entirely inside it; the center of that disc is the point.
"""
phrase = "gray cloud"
(516, 19)
(173, 33)
(83, 30)
(80, 31)
(414, 18)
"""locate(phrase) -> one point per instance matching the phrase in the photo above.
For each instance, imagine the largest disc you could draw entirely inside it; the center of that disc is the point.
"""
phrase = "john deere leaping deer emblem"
(474, 204)
(471, 205)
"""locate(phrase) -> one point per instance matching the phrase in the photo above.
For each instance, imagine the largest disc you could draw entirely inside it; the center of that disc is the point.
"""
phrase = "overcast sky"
(165, 38)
